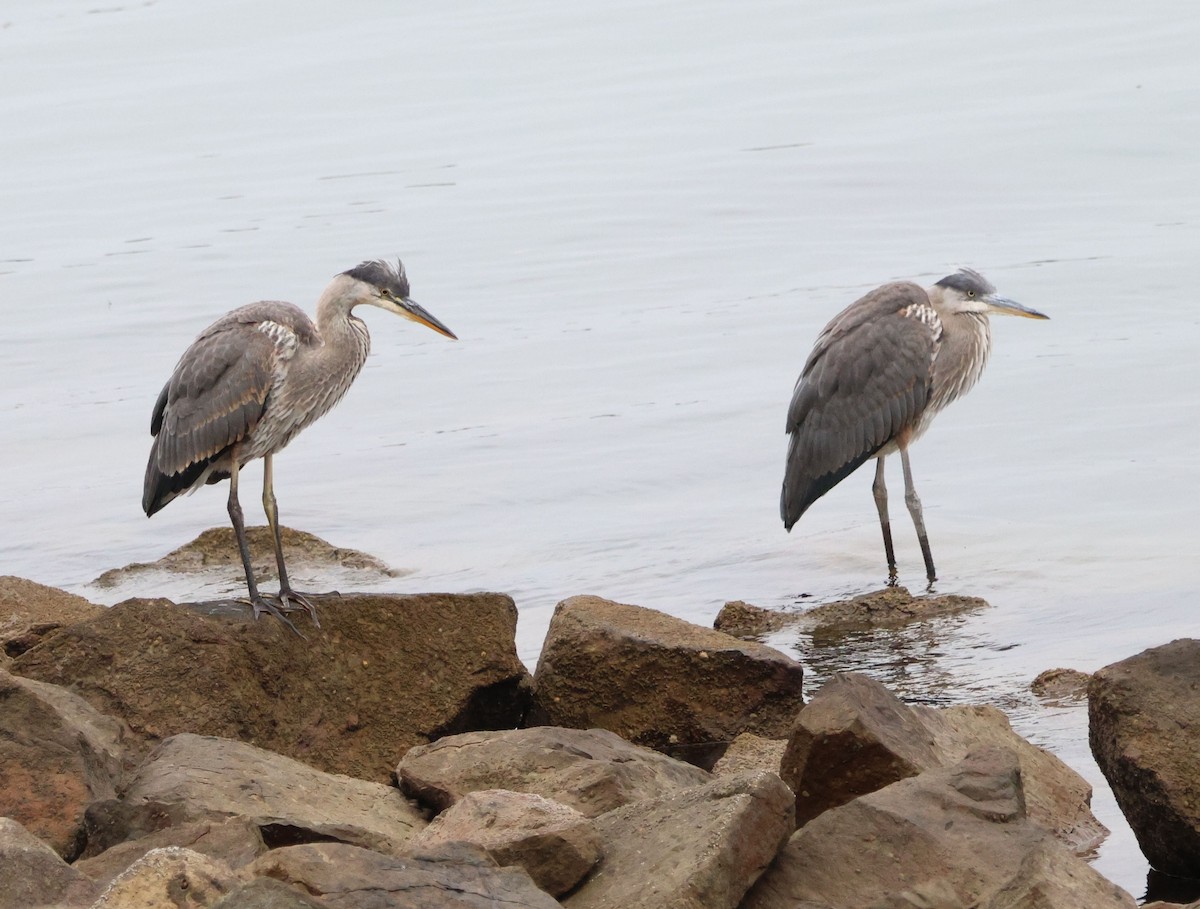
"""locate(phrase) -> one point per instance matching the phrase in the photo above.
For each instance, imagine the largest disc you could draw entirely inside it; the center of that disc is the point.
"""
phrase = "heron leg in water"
(256, 600)
(879, 488)
(914, 508)
(286, 594)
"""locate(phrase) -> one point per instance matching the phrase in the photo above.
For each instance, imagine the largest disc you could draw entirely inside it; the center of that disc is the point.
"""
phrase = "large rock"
(1143, 712)
(554, 843)
(57, 754)
(382, 674)
(209, 778)
(855, 736)
(591, 770)
(346, 877)
(267, 893)
(168, 878)
(945, 839)
(660, 681)
(32, 874)
(29, 611)
(852, 738)
(697, 849)
(1056, 796)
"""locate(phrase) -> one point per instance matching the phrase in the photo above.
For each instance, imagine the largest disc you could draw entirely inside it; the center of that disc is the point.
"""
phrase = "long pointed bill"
(1003, 306)
(413, 310)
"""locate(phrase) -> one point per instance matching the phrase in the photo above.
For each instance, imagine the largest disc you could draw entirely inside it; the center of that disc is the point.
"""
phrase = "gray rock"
(659, 681)
(945, 839)
(210, 778)
(697, 849)
(56, 755)
(854, 737)
(1140, 712)
(347, 877)
(554, 843)
(591, 770)
(32, 874)
(168, 878)
(235, 842)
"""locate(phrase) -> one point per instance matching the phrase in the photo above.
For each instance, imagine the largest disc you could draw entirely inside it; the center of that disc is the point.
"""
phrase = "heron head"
(968, 291)
(385, 285)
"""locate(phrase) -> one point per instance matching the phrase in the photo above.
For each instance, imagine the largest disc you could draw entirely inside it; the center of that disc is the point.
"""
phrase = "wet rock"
(751, 752)
(855, 736)
(216, 548)
(919, 843)
(1061, 686)
(697, 849)
(1140, 711)
(347, 877)
(554, 843)
(890, 607)
(852, 738)
(32, 874)
(209, 778)
(382, 674)
(659, 681)
(744, 620)
(234, 842)
(57, 754)
(169, 878)
(1056, 796)
(591, 770)
(29, 611)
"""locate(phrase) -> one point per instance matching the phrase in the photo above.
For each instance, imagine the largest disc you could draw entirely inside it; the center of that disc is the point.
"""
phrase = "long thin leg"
(879, 488)
(271, 507)
(914, 508)
(257, 603)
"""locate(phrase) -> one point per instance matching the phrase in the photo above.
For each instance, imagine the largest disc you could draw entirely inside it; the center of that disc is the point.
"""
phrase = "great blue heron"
(250, 382)
(877, 376)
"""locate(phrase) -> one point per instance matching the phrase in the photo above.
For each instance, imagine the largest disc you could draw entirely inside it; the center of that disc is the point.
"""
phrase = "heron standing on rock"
(877, 376)
(250, 382)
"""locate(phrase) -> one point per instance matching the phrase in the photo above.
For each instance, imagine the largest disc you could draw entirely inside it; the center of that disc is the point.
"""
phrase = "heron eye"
(970, 293)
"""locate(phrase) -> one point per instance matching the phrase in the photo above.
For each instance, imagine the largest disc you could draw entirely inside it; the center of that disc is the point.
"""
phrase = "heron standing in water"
(877, 376)
(249, 383)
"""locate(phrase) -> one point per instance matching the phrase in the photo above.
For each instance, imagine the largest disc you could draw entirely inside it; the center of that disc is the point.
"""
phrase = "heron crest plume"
(382, 274)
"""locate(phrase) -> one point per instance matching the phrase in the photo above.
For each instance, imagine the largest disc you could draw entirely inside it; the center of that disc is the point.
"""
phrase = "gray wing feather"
(865, 381)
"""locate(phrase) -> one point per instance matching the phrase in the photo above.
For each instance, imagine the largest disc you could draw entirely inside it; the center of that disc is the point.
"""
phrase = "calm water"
(636, 219)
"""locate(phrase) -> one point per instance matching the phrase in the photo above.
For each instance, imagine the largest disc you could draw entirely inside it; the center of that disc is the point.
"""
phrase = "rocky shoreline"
(156, 755)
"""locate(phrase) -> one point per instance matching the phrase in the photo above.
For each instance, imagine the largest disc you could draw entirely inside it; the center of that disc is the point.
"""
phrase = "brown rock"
(1061, 685)
(169, 878)
(1140, 713)
(945, 839)
(591, 770)
(382, 674)
(751, 752)
(886, 608)
(852, 738)
(32, 874)
(554, 843)
(659, 681)
(697, 849)
(29, 611)
(744, 620)
(210, 778)
(347, 877)
(216, 548)
(1056, 796)
(234, 842)
(266, 893)
(56, 755)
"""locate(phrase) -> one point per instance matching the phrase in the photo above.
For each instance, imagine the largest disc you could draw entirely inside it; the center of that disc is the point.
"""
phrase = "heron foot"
(292, 601)
(261, 604)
